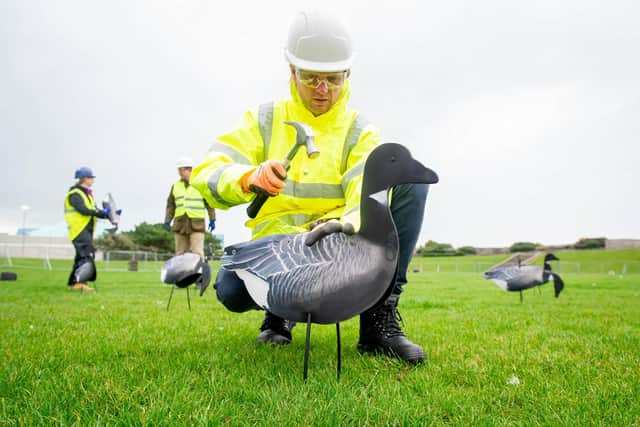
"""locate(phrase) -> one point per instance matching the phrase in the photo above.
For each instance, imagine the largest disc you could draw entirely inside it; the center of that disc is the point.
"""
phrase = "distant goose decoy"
(341, 275)
(183, 270)
(519, 278)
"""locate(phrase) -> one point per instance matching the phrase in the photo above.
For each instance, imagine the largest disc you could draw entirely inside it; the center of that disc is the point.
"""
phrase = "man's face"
(185, 173)
(318, 91)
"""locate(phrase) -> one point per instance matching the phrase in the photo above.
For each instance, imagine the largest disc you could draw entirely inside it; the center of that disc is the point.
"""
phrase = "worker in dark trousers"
(80, 211)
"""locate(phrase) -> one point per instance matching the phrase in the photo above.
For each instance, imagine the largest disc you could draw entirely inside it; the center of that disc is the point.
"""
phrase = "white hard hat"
(318, 41)
(184, 162)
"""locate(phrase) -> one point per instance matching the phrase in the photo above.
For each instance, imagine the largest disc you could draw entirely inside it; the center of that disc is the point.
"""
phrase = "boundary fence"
(144, 261)
(48, 257)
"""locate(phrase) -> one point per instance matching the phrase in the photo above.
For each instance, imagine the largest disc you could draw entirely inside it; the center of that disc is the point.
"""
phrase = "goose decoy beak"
(558, 284)
(420, 174)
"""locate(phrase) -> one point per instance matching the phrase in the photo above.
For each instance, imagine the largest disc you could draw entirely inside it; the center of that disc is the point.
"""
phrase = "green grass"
(118, 357)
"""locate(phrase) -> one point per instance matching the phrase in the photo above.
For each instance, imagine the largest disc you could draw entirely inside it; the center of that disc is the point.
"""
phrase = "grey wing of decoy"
(531, 275)
(500, 277)
(504, 274)
(327, 264)
(342, 277)
(515, 278)
(275, 255)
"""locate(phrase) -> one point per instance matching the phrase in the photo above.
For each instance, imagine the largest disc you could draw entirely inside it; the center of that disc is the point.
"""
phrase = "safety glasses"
(313, 79)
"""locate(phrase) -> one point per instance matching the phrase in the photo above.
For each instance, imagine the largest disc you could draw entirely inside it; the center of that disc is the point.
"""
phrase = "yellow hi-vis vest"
(188, 201)
(76, 222)
(325, 187)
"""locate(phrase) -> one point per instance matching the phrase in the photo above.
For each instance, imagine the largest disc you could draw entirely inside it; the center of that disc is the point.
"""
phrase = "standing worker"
(187, 208)
(243, 163)
(79, 211)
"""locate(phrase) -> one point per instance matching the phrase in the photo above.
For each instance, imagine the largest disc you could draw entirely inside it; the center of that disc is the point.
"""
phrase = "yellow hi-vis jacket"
(326, 187)
(188, 201)
(76, 222)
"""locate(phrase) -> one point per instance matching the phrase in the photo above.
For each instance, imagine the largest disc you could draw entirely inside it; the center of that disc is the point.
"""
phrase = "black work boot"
(381, 333)
(275, 330)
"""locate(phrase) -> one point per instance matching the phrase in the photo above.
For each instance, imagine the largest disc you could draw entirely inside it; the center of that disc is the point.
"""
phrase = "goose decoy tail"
(558, 284)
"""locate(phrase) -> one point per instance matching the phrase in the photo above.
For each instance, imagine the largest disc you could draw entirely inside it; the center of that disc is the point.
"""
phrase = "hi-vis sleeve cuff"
(224, 184)
(217, 180)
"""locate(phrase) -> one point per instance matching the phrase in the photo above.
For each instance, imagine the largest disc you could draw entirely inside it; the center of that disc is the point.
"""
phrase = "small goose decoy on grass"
(181, 271)
(326, 276)
(519, 278)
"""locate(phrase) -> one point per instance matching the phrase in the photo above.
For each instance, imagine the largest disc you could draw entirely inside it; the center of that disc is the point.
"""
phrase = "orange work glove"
(268, 177)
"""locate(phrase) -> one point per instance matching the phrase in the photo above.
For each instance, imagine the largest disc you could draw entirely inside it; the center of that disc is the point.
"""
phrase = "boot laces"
(389, 321)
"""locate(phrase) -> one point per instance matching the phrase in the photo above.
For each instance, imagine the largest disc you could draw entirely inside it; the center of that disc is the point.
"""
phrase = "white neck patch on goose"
(381, 197)
(257, 288)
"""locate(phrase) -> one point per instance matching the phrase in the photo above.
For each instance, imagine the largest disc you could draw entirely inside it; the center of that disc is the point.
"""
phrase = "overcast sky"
(528, 110)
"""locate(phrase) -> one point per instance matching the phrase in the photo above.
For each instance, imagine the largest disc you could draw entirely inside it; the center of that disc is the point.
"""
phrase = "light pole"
(24, 209)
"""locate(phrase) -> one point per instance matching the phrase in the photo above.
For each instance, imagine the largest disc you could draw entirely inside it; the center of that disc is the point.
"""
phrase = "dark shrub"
(523, 247)
(591, 243)
(466, 250)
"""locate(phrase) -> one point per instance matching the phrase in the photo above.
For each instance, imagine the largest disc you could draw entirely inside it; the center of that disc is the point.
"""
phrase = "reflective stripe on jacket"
(322, 188)
(76, 222)
(188, 201)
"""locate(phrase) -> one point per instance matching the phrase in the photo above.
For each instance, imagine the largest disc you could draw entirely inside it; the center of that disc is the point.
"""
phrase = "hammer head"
(304, 136)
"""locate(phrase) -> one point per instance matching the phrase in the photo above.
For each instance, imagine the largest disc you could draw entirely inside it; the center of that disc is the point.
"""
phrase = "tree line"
(148, 237)
(433, 248)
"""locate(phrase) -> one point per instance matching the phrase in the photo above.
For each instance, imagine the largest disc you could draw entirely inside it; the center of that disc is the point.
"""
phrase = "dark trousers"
(407, 209)
(85, 252)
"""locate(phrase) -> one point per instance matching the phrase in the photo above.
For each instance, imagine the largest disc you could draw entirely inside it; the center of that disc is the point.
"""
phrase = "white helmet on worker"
(184, 162)
(318, 41)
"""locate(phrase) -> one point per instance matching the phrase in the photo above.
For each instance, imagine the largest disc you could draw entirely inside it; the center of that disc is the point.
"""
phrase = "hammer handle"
(255, 206)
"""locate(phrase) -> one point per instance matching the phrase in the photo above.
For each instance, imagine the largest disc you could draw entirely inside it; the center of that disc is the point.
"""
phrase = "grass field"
(118, 357)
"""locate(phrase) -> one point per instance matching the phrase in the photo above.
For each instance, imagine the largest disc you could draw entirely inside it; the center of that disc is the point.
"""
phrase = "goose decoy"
(181, 271)
(519, 278)
(340, 275)
(114, 212)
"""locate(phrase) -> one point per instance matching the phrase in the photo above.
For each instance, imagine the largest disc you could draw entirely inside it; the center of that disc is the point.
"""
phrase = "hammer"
(304, 136)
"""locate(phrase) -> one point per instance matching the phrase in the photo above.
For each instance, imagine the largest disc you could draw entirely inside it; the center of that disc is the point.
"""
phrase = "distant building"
(622, 244)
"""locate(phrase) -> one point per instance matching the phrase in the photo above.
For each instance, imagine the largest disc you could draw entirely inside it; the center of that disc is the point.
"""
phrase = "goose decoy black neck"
(549, 257)
(387, 166)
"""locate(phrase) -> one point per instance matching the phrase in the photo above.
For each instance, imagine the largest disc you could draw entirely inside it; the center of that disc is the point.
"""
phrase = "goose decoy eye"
(393, 159)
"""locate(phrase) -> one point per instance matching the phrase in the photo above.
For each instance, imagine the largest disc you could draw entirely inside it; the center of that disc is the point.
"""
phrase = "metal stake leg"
(170, 295)
(306, 348)
(339, 349)
(188, 299)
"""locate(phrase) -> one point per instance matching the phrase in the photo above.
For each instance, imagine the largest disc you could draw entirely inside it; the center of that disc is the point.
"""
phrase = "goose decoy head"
(551, 257)
(391, 164)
